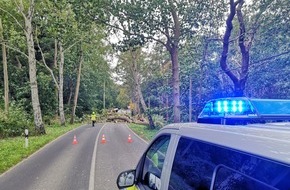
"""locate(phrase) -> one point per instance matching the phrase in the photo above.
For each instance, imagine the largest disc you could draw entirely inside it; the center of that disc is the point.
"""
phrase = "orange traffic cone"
(103, 141)
(75, 140)
(129, 139)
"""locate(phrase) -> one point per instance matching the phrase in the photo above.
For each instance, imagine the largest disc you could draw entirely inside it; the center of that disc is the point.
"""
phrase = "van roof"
(267, 140)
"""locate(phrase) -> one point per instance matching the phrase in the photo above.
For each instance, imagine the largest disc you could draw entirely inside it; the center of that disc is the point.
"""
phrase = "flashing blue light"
(234, 106)
(226, 106)
(219, 106)
(229, 106)
(240, 106)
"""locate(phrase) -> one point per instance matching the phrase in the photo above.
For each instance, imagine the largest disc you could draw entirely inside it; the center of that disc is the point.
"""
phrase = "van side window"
(195, 163)
(153, 163)
(227, 178)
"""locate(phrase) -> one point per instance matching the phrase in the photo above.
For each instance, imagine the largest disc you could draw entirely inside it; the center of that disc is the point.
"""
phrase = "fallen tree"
(117, 117)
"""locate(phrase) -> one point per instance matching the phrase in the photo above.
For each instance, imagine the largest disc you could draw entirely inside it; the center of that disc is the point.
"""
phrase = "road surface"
(87, 165)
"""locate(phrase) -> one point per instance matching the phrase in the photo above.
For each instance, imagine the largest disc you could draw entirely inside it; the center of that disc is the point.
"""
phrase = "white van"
(204, 156)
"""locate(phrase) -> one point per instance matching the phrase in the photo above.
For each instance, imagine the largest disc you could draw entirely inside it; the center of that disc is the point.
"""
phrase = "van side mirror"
(126, 179)
(153, 181)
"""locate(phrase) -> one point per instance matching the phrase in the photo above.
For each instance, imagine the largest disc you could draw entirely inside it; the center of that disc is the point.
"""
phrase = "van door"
(150, 176)
(202, 165)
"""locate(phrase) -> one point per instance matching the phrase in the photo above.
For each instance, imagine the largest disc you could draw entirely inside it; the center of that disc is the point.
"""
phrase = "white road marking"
(93, 162)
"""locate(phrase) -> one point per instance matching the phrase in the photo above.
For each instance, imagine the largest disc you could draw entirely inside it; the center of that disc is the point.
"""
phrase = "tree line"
(202, 50)
(173, 56)
(54, 64)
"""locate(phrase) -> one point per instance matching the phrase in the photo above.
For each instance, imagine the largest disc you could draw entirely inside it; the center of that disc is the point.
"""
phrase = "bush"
(15, 123)
(159, 121)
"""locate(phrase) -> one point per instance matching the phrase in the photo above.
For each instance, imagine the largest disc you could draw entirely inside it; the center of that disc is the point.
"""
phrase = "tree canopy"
(183, 52)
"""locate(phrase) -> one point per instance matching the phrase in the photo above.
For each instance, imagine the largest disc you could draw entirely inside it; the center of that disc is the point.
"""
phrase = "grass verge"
(12, 150)
(143, 131)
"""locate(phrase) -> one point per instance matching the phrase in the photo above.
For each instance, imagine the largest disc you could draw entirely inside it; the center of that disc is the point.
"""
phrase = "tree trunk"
(176, 83)
(172, 47)
(77, 88)
(138, 88)
(137, 101)
(60, 92)
(55, 66)
(5, 70)
(240, 87)
(70, 93)
(167, 107)
(190, 99)
(146, 110)
(104, 96)
(239, 83)
(32, 69)
(55, 54)
(19, 65)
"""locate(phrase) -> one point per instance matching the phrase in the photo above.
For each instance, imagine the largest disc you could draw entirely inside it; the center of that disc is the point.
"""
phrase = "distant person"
(93, 118)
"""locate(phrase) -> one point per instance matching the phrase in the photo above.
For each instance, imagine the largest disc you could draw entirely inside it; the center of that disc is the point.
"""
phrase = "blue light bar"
(245, 109)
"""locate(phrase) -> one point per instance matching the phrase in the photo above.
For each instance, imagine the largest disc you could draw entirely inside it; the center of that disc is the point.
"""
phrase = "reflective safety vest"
(93, 117)
(132, 188)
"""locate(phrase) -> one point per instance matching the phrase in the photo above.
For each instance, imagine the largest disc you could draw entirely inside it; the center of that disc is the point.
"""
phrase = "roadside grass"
(12, 150)
(143, 131)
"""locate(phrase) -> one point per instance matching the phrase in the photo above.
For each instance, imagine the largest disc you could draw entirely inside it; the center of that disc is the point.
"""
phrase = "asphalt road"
(87, 165)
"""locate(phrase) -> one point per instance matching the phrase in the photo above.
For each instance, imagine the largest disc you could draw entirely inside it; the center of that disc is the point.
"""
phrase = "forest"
(162, 59)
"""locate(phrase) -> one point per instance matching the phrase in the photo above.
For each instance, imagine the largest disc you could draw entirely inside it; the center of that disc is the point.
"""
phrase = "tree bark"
(167, 106)
(104, 96)
(60, 92)
(136, 77)
(5, 70)
(124, 118)
(77, 88)
(176, 83)
(39, 126)
(190, 99)
(239, 84)
(55, 53)
(55, 66)
(172, 47)
(70, 93)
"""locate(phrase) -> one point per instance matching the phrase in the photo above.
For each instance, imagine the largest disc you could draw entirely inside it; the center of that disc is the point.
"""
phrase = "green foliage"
(15, 123)
(123, 98)
(159, 121)
(47, 94)
(81, 24)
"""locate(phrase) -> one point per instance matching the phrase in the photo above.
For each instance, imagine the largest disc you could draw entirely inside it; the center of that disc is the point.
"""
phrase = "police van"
(236, 144)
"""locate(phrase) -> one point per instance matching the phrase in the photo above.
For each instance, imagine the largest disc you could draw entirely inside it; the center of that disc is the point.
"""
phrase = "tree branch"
(15, 49)
(243, 48)
(261, 61)
(229, 24)
(21, 9)
(47, 67)
(270, 58)
(130, 33)
(72, 45)
(13, 18)
(242, 28)
(176, 24)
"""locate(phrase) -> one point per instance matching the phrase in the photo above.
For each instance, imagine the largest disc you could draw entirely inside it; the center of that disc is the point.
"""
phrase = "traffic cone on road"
(129, 139)
(75, 140)
(103, 141)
